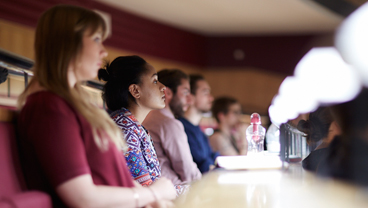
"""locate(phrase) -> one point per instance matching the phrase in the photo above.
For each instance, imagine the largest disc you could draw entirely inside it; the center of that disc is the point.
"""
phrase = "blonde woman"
(71, 148)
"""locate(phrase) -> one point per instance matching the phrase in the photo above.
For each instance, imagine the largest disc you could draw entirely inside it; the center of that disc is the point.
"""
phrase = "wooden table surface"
(293, 187)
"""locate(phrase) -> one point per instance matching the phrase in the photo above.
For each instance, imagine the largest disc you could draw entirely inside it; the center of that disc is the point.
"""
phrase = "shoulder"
(124, 119)
(173, 128)
(48, 102)
(183, 120)
(217, 136)
(45, 98)
(172, 122)
(156, 120)
(154, 116)
(187, 125)
(53, 116)
(118, 114)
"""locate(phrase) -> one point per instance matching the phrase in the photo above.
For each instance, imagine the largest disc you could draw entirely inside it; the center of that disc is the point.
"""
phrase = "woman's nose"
(163, 88)
(104, 52)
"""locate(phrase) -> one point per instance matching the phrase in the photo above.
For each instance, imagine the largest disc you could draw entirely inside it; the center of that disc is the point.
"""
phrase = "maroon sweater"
(57, 145)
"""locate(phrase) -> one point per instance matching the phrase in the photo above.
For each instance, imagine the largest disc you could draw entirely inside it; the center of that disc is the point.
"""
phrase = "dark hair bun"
(316, 130)
(304, 126)
(119, 75)
(103, 75)
(313, 129)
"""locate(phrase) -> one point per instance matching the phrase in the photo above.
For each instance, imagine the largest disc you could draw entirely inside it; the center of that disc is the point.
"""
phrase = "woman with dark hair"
(131, 91)
(320, 129)
(69, 147)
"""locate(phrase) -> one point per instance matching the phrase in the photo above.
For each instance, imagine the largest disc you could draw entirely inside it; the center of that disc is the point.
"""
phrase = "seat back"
(13, 191)
(11, 178)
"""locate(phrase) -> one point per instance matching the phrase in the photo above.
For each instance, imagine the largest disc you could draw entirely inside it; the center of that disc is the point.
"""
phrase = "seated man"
(229, 138)
(168, 135)
(198, 141)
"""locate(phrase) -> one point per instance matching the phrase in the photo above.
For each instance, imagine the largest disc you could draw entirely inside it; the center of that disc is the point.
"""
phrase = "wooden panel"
(134, 33)
(158, 63)
(129, 31)
(7, 114)
(17, 38)
(278, 54)
(254, 89)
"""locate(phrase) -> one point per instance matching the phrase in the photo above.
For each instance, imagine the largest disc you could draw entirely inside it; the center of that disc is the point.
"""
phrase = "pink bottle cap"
(255, 118)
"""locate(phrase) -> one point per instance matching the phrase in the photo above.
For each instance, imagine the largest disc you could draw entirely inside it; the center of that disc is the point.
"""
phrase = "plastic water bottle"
(255, 135)
(273, 139)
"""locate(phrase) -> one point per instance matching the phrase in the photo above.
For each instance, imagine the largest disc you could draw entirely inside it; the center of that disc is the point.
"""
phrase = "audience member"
(131, 91)
(348, 153)
(168, 133)
(198, 142)
(229, 138)
(320, 128)
(69, 147)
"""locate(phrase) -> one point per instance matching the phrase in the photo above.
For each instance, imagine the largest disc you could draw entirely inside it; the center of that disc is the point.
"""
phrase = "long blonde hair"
(58, 43)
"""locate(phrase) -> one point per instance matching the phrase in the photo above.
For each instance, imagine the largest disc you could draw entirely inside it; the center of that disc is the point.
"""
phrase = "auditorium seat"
(13, 191)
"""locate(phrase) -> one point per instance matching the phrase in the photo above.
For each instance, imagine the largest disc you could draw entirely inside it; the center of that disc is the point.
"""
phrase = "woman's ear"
(335, 128)
(135, 91)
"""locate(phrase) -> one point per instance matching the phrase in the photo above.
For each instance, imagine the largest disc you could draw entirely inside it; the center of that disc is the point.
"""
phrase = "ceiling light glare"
(331, 79)
(321, 77)
(352, 41)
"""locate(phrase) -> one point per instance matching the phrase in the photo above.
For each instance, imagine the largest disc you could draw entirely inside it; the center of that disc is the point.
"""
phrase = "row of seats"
(13, 191)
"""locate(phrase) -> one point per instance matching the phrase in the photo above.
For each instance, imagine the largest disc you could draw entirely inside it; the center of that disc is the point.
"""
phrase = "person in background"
(201, 102)
(347, 157)
(69, 147)
(168, 133)
(131, 91)
(229, 138)
(320, 128)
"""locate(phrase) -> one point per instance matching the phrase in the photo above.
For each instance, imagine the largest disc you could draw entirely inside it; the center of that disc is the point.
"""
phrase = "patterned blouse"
(141, 155)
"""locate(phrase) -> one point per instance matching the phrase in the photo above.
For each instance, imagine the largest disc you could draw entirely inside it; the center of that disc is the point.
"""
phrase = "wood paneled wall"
(254, 88)
(17, 38)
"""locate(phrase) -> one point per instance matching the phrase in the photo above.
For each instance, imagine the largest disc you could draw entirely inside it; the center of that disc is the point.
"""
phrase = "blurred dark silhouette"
(347, 158)
(3, 74)
(321, 129)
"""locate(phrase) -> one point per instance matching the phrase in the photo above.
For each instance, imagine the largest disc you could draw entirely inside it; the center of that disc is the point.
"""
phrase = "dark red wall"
(275, 53)
(131, 32)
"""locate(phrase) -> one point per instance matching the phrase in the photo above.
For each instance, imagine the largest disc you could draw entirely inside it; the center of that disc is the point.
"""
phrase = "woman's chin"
(158, 107)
